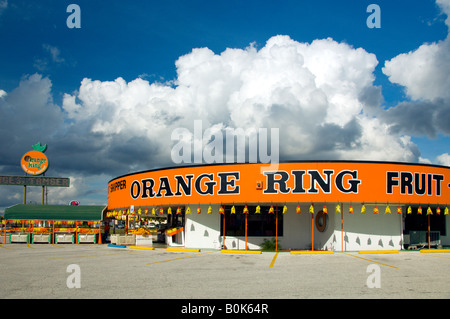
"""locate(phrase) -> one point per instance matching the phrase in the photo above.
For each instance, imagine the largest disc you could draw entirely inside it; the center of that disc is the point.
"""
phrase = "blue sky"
(145, 39)
(128, 39)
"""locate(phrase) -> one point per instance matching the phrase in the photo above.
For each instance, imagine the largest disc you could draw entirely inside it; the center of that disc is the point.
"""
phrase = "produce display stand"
(19, 231)
(41, 232)
(90, 233)
(64, 232)
(144, 237)
(55, 224)
(138, 227)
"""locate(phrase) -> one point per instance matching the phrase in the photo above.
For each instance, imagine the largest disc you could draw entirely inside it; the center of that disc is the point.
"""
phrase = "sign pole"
(24, 194)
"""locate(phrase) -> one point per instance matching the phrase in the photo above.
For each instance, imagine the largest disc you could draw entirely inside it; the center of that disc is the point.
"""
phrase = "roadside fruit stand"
(55, 224)
(140, 229)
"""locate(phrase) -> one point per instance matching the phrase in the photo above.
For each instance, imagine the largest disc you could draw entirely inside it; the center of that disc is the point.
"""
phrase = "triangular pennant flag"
(146, 211)
(446, 211)
(338, 209)
(311, 209)
(221, 210)
(350, 210)
(363, 209)
(178, 211)
(169, 211)
(399, 210)
(284, 209)
(298, 210)
(199, 210)
(419, 210)
(188, 210)
(139, 211)
(409, 211)
(209, 210)
(271, 210)
(153, 211)
(375, 210)
(387, 210)
(233, 210)
(325, 210)
(258, 210)
(161, 210)
(245, 210)
(429, 211)
(438, 211)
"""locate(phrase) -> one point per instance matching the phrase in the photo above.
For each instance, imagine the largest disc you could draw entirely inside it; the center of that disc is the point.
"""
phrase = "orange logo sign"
(34, 163)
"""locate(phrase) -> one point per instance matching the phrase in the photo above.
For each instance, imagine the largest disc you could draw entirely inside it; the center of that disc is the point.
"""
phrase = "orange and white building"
(316, 205)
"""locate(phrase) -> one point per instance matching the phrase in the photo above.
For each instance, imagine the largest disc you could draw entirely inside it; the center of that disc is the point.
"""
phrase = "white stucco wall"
(361, 231)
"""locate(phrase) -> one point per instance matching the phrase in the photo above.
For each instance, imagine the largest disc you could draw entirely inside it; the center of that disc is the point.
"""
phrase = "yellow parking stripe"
(273, 260)
(372, 261)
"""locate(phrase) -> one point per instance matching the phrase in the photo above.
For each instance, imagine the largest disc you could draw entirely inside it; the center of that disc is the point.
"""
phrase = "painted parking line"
(435, 256)
(90, 256)
(273, 260)
(167, 260)
(372, 261)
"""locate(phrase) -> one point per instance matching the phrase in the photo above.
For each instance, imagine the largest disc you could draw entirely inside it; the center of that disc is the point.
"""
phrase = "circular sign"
(34, 163)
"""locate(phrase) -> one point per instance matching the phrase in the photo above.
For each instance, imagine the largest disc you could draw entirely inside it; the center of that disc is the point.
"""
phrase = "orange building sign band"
(342, 181)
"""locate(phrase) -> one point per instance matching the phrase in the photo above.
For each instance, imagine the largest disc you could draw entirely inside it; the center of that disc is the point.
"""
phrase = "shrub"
(269, 244)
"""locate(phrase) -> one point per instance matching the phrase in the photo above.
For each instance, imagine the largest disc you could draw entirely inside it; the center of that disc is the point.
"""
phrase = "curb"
(435, 250)
(117, 246)
(254, 252)
(312, 252)
(142, 247)
(183, 249)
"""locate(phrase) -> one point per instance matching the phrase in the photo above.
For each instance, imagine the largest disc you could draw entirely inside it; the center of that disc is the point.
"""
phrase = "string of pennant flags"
(122, 214)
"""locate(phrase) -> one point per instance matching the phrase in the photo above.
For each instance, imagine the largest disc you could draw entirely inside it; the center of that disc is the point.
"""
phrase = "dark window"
(415, 221)
(262, 224)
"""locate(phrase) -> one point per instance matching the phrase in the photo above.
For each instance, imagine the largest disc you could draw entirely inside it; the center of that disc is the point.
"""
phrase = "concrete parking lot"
(99, 271)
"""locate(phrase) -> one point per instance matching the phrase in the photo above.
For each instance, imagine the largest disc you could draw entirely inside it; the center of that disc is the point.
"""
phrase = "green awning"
(54, 212)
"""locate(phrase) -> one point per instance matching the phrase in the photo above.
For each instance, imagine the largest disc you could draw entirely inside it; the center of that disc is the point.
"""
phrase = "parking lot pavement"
(99, 271)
